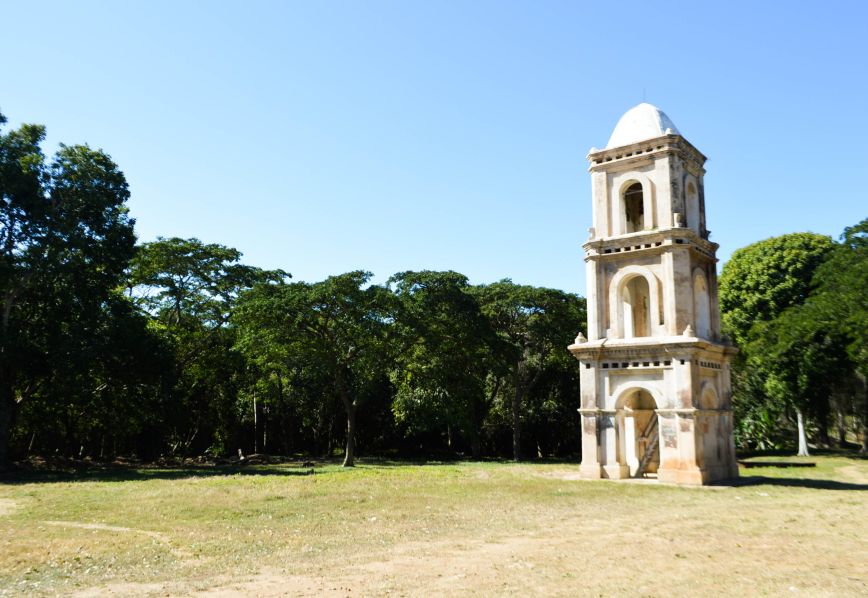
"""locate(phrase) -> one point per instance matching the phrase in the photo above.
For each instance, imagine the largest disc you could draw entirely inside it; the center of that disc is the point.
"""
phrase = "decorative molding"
(641, 151)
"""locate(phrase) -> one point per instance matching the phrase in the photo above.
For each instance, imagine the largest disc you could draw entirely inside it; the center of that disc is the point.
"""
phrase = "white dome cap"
(640, 123)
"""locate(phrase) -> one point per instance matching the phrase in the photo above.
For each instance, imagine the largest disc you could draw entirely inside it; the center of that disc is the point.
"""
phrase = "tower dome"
(640, 123)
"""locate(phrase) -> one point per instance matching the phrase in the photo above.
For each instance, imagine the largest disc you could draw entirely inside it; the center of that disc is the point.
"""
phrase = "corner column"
(590, 468)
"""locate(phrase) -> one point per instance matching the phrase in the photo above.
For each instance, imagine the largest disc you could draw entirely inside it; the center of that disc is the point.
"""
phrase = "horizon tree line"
(176, 348)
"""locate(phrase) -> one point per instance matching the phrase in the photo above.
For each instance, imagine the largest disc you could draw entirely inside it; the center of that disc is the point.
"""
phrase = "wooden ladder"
(650, 448)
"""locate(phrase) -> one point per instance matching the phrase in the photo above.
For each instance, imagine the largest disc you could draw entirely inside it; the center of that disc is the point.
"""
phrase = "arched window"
(701, 307)
(634, 208)
(692, 207)
(637, 307)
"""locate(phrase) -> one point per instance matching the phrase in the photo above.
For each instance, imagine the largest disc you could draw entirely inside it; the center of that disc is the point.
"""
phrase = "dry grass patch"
(451, 529)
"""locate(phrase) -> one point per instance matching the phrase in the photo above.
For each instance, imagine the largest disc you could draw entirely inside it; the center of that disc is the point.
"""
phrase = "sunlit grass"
(457, 528)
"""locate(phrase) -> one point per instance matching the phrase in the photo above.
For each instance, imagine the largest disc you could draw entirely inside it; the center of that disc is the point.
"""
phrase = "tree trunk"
(842, 427)
(8, 406)
(822, 420)
(516, 421)
(265, 429)
(284, 434)
(476, 445)
(343, 388)
(480, 411)
(7, 392)
(330, 439)
(803, 439)
(350, 454)
(255, 424)
(864, 449)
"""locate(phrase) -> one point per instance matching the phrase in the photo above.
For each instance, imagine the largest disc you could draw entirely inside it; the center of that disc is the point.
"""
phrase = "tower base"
(656, 405)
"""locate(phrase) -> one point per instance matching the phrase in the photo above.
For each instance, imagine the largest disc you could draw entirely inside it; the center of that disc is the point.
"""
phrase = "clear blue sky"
(322, 137)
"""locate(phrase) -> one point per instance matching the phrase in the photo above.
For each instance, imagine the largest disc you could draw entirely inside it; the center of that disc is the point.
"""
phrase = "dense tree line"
(175, 347)
(797, 307)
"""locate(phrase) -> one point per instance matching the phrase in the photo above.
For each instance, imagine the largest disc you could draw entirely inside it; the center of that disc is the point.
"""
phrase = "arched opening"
(634, 208)
(636, 299)
(710, 446)
(692, 207)
(701, 307)
(639, 446)
(635, 307)
(708, 399)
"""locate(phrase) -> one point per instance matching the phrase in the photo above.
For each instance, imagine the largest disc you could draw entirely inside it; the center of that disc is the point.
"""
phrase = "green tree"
(444, 356)
(103, 397)
(291, 388)
(801, 362)
(551, 408)
(763, 279)
(758, 284)
(65, 241)
(190, 288)
(536, 325)
(336, 327)
(840, 291)
(839, 305)
(186, 279)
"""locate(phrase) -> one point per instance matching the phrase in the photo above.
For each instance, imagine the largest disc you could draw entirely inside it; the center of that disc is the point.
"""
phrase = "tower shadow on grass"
(812, 483)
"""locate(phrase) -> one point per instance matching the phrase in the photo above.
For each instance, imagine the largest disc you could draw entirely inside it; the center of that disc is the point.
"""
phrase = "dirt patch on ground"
(854, 474)
(123, 589)
(413, 569)
(543, 563)
(7, 506)
(550, 563)
(270, 583)
(507, 565)
(559, 474)
(161, 538)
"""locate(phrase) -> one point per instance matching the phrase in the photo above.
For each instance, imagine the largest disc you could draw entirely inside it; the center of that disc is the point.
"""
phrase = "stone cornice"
(649, 241)
(684, 412)
(627, 154)
(646, 347)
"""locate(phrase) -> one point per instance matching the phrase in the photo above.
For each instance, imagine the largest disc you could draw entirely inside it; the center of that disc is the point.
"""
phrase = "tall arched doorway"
(636, 297)
(638, 435)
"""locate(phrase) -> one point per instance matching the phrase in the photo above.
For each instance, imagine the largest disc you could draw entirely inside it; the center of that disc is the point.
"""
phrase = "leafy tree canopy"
(840, 296)
(174, 277)
(337, 325)
(445, 346)
(65, 242)
(765, 278)
(535, 325)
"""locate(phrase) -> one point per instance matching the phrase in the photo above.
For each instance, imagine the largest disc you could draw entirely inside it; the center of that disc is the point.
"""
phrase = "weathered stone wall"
(653, 319)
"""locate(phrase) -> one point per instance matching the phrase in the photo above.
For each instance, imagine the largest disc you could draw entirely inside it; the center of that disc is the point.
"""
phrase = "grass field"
(437, 529)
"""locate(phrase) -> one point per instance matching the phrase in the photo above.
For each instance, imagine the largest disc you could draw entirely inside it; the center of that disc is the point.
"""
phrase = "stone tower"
(655, 377)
